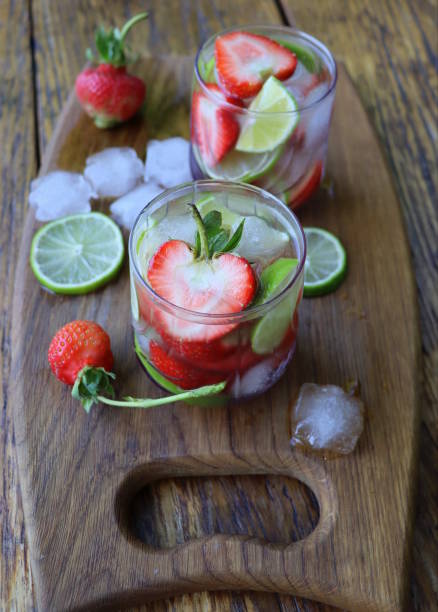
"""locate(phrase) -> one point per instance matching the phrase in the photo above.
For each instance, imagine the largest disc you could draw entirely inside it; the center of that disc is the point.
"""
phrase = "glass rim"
(219, 318)
(245, 111)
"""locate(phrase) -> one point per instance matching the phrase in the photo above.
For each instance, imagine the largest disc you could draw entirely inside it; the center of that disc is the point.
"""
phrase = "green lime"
(268, 333)
(326, 262)
(206, 70)
(276, 118)
(309, 59)
(241, 167)
(77, 254)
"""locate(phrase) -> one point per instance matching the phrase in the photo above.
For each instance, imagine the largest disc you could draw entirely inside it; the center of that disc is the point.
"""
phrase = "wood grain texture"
(355, 31)
(85, 470)
(18, 164)
(391, 51)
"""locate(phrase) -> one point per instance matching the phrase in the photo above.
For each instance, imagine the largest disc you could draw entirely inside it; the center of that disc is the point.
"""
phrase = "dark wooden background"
(390, 48)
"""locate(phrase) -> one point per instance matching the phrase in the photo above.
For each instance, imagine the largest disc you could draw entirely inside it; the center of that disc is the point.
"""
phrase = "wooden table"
(390, 49)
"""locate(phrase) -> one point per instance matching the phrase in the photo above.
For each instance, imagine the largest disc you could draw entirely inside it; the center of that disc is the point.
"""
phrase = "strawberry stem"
(133, 402)
(128, 25)
(205, 253)
(91, 382)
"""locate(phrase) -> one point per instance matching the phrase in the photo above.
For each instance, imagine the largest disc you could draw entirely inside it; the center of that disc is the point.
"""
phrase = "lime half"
(242, 167)
(276, 118)
(77, 254)
(268, 333)
(326, 262)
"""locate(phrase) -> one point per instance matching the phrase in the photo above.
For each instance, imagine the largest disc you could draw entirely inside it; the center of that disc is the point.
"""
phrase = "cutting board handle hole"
(166, 513)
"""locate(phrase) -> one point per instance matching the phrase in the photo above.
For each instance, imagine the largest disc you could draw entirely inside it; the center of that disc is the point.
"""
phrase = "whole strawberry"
(80, 355)
(76, 345)
(108, 93)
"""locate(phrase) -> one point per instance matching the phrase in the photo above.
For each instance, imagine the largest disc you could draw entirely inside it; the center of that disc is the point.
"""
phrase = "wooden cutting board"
(124, 506)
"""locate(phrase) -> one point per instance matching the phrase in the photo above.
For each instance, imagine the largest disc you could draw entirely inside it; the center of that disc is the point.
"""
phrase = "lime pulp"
(269, 331)
(272, 118)
(77, 254)
(326, 262)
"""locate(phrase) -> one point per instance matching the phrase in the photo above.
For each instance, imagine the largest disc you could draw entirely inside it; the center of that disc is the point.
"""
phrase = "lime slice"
(326, 262)
(77, 254)
(268, 333)
(206, 70)
(242, 167)
(309, 59)
(265, 132)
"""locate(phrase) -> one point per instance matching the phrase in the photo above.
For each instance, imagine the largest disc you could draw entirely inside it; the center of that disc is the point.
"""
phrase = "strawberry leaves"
(212, 238)
(90, 383)
(110, 44)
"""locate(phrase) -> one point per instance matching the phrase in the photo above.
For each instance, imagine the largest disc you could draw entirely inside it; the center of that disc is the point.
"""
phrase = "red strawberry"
(107, 93)
(76, 345)
(205, 279)
(224, 285)
(182, 374)
(296, 196)
(214, 128)
(244, 61)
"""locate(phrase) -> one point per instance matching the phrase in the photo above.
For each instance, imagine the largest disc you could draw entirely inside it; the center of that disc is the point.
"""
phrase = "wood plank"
(390, 50)
(17, 166)
(106, 458)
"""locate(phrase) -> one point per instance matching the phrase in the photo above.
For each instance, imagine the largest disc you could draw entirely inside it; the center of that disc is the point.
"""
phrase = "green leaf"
(212, 220)
(90, 383)
(219, 241)
(233, 242)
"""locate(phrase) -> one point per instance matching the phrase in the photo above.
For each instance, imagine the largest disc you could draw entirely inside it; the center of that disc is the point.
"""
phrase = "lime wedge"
(77, 254)
(309, 59)
(206, 70)
(276, 119)
(326, 262)
(242, 167)
(268, 333)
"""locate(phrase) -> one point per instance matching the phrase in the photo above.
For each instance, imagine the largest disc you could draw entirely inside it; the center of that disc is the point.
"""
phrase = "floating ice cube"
(60, 193)
(254, 380)
(326, 419)
(167, 162)
(260, 241)
(316, 120)
(114, 171)
(126, 208)
(172, 227)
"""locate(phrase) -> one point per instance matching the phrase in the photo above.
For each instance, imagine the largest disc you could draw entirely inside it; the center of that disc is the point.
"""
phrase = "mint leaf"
(235, 239)
(212, 220)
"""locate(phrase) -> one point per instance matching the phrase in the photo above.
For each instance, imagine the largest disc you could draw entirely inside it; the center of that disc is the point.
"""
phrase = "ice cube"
(255, 380)
(167, 162)
(172, 227)
(326, 419)
(316, 120)
(126, 209)
(60, 193)
(260, 241)
(114, 171)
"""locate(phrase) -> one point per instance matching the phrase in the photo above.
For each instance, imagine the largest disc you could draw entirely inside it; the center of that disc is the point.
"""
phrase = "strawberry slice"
(306, 187)
(214, 128)
(223, 285)
(244, 61)
(182, 374)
